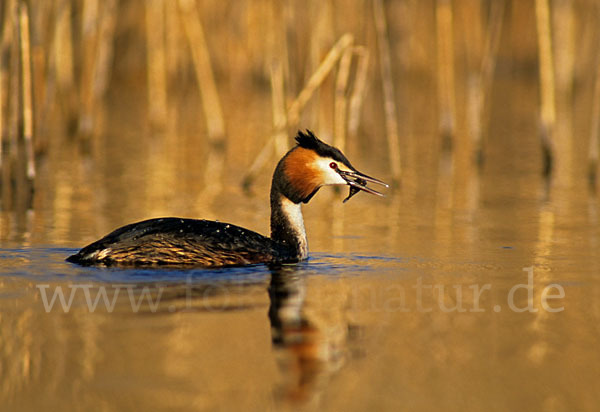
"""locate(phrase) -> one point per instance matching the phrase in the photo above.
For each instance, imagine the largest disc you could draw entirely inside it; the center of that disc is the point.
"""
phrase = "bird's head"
(312, 164)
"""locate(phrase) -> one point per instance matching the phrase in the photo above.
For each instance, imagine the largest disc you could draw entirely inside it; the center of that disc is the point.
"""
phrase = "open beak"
(358, 181)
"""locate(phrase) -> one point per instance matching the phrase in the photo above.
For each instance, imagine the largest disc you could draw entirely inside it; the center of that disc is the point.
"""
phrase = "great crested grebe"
(177, 242)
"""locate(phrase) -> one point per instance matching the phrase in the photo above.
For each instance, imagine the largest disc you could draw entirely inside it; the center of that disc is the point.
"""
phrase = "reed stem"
(278, 107)
(358, 91)
(385, 65)
(488, 65)
(62, 61)
(341, 99)
(105, 49)
(156, 62)
(547, 90)
(4, 46)
(14, 92)
(445, 69)
(295, 109)
(317, 78)
(26, 89)
(204, 73)
(594, 148)
(87, 47)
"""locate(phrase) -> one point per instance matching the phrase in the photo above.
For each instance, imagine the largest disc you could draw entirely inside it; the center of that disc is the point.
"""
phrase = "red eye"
(333, 165)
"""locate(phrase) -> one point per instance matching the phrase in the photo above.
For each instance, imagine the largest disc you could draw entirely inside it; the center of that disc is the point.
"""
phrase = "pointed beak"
(358, 181)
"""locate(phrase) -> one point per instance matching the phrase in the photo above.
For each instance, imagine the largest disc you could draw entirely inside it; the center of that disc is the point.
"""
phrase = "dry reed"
(385, 65)
(194, 31)
(18, 167)
(341, 99)
(445, 68)
(546, 73)
(594, 148)
(488, 65)
(318, 77)
(11, 177)
(295, 109)
(358, 91)
(89, 39)
(277, 61)
(69, 46)
(4, 45)
(278, 107)
(26, 90)
(156, 62)
(102, 62)
(5, 81)
(62, 62)
(174, 54)
(2, 76)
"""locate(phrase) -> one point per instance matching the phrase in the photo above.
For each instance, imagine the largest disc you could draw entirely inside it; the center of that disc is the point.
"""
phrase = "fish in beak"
(358, 181)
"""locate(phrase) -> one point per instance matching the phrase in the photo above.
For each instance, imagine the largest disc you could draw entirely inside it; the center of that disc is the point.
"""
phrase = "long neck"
(287, 224)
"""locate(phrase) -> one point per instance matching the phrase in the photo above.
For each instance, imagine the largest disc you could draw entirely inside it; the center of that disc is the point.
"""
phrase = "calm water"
(399, 306)
(463, 289)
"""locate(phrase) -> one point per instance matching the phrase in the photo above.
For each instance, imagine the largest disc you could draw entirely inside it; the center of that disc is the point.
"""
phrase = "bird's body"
(175, 241)
(190, 242)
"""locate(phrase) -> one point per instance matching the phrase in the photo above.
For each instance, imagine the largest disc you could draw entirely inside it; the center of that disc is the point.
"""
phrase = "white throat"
(293, 212)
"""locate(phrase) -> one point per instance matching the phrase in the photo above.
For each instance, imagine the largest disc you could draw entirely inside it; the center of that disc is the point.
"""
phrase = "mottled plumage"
(175, 241)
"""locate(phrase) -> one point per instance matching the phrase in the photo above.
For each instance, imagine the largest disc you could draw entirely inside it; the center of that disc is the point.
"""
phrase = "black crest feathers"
(309, 141)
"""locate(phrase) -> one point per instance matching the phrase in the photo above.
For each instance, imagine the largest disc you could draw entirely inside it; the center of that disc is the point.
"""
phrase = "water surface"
(416, 301)
(411, 317)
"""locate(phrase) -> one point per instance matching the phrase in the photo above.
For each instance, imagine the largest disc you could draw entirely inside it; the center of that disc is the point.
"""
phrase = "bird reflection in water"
(308, 350)
(312, 337)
